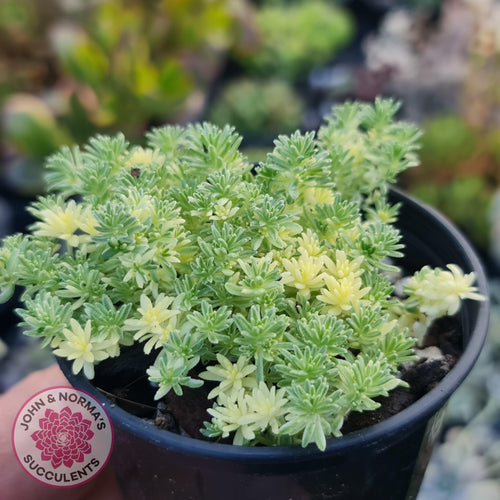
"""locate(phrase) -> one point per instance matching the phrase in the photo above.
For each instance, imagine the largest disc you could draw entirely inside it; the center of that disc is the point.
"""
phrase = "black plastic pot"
(385, 461)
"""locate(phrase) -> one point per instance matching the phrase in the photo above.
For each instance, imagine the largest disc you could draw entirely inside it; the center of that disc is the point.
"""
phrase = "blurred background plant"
(296, 36)
(258, 108)
(74, 68)
(445, 65)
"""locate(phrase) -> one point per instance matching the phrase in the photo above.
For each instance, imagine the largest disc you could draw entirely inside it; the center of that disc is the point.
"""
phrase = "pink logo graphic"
(63, 437)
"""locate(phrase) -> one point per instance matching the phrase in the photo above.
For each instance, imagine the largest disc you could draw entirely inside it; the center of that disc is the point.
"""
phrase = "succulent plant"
(269, 283)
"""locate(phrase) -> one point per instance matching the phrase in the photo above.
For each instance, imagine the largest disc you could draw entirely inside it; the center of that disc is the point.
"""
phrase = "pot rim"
(413, 415)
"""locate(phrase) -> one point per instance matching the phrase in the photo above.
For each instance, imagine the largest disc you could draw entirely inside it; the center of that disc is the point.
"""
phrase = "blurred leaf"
(80, 55)
(174, 82)
(466, 201)
(77, 121)
(447, 141)
(30, 126)
(145, 78)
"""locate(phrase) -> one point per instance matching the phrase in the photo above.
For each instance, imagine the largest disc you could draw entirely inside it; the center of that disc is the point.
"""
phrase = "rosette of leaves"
(295, 37)
(269, 284)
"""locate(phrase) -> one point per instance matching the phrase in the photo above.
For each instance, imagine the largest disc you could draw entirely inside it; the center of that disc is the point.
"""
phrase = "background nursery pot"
(384, 461)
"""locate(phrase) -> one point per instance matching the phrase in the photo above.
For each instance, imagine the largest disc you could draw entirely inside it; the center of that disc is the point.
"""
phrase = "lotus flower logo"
(63, 437)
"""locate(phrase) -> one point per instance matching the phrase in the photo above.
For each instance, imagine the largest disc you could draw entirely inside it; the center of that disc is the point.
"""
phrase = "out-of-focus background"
(72, 68)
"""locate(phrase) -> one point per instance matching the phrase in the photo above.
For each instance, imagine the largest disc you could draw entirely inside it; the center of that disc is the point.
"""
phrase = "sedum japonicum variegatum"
(270, 282)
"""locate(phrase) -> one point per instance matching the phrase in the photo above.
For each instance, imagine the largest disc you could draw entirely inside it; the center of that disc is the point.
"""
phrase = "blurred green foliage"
(70, 69)
(24, 52)
(466, 200)
(295, 37)
(493, 144)
(30, 124)
(254, 107)
(73, 68)
(459, 173)
(447, 141)
(144, 59)
(123, 64)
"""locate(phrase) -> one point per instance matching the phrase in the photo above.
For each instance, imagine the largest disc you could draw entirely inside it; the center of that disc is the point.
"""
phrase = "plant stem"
(259, 363)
